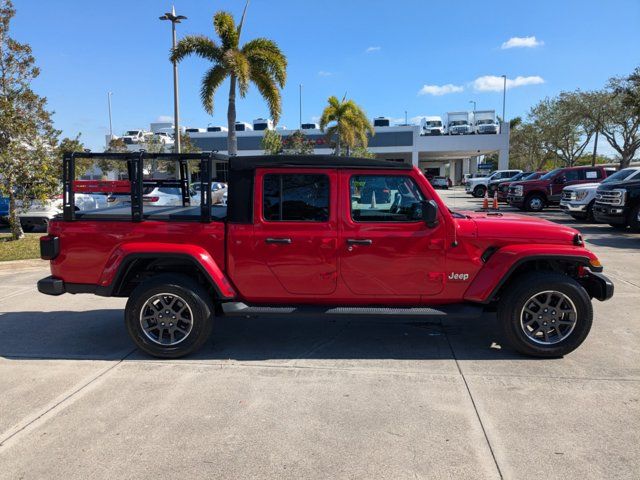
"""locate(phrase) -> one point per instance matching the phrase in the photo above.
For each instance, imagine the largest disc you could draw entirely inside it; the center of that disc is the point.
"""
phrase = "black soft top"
(312, 161)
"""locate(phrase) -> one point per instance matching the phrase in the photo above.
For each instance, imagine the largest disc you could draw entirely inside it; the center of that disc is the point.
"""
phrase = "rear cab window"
(295, 197)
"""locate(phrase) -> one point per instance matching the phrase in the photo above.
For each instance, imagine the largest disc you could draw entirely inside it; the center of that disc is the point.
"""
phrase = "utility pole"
(110, 124)
(300, 124)
(504, 96)
(173, 18)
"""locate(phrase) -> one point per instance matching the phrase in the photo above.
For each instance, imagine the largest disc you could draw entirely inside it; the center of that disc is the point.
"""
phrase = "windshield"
(458, 122)
(518, 176)
(624, 174)
(437, 123)
(484, 122)
(530, 176)
(132, 132)
(551, 174)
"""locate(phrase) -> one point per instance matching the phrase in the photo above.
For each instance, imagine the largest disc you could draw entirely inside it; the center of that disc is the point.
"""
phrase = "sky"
(423, 57)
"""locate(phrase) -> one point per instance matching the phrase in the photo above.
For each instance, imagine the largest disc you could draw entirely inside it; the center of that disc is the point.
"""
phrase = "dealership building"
(443, 155)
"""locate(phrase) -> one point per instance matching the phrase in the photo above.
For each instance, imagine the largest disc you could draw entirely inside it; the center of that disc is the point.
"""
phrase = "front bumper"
(598, 285)
(615, 215)
(569, 207)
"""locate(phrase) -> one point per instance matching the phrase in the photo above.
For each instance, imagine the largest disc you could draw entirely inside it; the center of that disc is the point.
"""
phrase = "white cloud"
(522, 42)
(324, 73)
(439, 90)
(492, 83)
(164, 118)
(372, 49)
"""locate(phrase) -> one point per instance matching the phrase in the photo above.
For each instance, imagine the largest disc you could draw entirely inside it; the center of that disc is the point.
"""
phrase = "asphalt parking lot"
(285, 398)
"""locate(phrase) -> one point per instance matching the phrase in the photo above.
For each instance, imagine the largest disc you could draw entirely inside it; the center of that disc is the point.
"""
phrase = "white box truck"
(486, 121)
(460, 123)
(432, 125)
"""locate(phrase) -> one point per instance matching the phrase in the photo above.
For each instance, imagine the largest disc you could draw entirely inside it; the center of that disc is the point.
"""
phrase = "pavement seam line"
(51, 409)
(475, 408)
(16, 293)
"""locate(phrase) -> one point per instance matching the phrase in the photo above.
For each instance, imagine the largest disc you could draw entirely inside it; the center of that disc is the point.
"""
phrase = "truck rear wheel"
(169, 316)
(545, 314)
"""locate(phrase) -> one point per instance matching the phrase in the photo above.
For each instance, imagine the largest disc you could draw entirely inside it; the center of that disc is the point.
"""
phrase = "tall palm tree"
(258, 61)
(349, 124)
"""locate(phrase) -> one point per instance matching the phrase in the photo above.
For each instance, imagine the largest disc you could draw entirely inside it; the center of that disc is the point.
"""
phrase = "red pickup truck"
(319, 235)
(535, 194)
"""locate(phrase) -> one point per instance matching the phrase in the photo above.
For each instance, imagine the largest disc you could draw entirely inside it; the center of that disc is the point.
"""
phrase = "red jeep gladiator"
(535, 194)
(320, 235)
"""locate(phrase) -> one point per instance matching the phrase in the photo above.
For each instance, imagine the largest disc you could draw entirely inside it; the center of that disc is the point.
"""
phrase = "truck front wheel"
(478, 192)
(534, 203)
(169, 316)
(545, 314)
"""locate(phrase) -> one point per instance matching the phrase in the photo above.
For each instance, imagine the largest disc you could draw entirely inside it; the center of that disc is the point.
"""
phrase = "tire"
(534, 203)
(516, 321)
(632, 219)
(193, 301)
(589, 216)
(478, 192)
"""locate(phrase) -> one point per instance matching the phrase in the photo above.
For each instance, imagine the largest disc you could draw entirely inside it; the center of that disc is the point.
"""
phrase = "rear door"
(386, 251)
(295, 233)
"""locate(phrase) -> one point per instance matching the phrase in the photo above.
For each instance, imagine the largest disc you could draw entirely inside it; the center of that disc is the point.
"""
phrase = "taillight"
(150, 199)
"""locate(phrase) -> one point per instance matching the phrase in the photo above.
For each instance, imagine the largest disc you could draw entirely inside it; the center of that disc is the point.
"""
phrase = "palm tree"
(350, 124)
(259, 61)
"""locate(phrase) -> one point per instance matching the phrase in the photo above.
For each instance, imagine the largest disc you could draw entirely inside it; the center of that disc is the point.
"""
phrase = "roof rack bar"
(206, 167)
(184, 182)
(136, 168)
(68, 195)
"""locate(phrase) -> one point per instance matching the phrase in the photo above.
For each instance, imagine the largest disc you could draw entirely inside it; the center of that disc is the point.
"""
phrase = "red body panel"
(406, 263)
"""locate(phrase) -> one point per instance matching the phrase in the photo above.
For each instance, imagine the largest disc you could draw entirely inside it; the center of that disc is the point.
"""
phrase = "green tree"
(298, 144)
(116, 145)
(362, 152)
(621, 119)
(344, 121)
(29, 165)
(272, 142)
(258, 61)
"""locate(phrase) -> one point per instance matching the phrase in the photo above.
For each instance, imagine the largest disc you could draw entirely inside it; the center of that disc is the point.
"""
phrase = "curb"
(14, 266)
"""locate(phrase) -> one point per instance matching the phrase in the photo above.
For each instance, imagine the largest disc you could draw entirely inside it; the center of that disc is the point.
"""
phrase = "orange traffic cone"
(495, 200)
(485, 201)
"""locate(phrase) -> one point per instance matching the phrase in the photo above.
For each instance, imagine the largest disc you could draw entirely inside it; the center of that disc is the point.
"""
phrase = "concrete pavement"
(283, 398)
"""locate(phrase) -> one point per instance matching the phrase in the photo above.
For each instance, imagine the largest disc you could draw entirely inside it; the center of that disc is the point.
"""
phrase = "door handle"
(284, 241)
(359, 241)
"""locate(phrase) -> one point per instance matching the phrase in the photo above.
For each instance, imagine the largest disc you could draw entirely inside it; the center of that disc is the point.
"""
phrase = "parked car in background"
(4, 210)
(39, 213)
(433, 125)
(460, 123)
(492, 187)
(218, 189)
(478, 186)
(618, 204)
(165, 194)
(440, 182)
(467, 176)
(579, 200)
(485, 121)
(535, 195)
(503, 187)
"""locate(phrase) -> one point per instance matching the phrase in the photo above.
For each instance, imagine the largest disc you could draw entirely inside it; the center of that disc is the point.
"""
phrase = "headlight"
(580, 195)
(518, 190)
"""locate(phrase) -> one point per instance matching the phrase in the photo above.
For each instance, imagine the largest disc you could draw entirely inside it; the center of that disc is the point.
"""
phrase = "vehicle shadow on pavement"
(101, 335)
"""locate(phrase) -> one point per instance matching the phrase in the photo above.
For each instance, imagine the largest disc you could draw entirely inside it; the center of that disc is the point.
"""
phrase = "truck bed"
(175, 213)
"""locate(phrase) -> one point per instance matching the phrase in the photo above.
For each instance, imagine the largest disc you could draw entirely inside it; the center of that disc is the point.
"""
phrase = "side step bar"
(237, 309)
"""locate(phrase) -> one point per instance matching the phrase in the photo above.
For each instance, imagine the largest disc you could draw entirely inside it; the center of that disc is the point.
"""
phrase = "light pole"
(300, 125)
(504, 96)
(110, 124)
(173, 18)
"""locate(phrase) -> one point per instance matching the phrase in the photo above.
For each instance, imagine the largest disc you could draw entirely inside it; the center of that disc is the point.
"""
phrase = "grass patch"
(28, 247)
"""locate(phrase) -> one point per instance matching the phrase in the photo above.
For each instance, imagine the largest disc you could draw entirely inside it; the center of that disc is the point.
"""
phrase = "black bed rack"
(135, 167)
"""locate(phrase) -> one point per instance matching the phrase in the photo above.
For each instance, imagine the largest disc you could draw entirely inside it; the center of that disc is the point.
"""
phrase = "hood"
(514, 228)
(583, 186)
(613, 185)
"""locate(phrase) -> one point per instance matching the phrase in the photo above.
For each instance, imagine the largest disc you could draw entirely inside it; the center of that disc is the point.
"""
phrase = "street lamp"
(173, 18)
(504, 95)
(474, 105)
(110, 124)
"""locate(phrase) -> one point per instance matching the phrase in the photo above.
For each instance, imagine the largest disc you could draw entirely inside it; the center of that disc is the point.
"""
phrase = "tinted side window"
(295, 198)
(385, 198)
(573, 175)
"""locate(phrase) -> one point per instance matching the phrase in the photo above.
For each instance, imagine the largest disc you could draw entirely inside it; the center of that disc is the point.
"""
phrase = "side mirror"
(430, 213)
(561, 179)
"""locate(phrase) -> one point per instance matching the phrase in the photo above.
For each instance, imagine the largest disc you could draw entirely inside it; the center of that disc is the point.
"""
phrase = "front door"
(295, 231)
(565, 179)
(385, 248)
